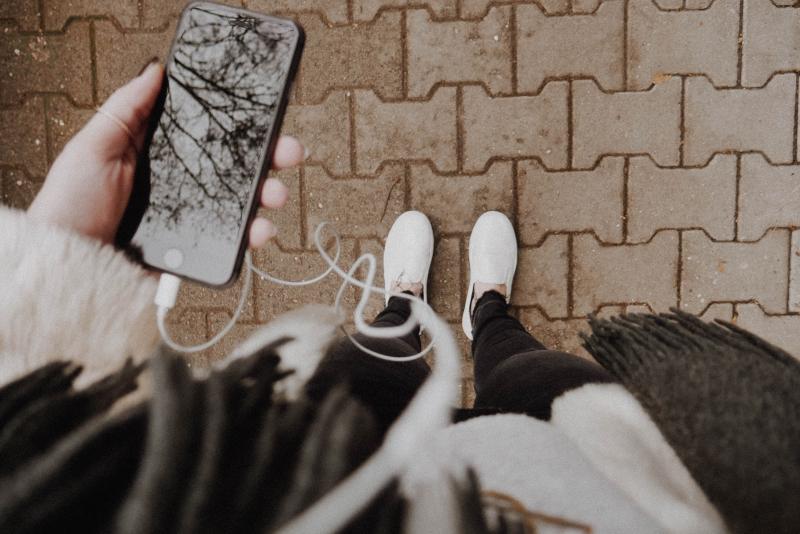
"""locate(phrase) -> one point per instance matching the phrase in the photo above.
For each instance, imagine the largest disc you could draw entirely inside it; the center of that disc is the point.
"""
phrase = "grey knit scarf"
(727, 401)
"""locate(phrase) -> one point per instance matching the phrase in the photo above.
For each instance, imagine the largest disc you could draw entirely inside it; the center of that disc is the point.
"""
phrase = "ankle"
(407, 287)
(481, 288)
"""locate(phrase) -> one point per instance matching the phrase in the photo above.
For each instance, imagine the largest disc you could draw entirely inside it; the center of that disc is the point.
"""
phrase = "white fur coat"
(63, 296)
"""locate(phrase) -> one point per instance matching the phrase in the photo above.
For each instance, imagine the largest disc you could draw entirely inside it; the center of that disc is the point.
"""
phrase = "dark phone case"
(140, 195)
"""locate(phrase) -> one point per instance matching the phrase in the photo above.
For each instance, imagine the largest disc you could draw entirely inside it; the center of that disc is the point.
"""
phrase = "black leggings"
(514, 372)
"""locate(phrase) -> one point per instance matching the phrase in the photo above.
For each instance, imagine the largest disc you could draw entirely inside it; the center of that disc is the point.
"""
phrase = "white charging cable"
(169, 286)
(427, 412)
(167, 294)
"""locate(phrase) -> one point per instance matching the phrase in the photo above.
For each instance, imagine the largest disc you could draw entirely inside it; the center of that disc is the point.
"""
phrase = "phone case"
(139, 200)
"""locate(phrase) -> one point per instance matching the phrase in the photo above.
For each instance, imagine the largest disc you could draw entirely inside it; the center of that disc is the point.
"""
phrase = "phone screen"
(226, 79)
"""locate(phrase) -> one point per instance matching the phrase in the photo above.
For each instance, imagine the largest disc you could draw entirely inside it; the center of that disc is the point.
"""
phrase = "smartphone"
(210, 142)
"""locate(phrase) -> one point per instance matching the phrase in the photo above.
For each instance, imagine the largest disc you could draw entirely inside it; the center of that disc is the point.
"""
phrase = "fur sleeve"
(63, 296)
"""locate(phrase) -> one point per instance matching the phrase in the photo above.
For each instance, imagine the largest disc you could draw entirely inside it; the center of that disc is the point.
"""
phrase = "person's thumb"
(123, 119)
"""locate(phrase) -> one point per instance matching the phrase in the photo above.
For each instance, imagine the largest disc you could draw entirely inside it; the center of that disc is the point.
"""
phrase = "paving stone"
(355, 207)
(714, 272)
(765, 50)
(721, 120)
(794, 273)
(585, 7)
(564, 334)
(518, 126)
(53, 63)
(781, 330)
(682, 198)
(467, 390)
(225, 300)
(682, 42)
(636, 274)
(445, 283)
(187, 325)
(63, 121)
(720, 310)
(58, 12)
(478, 51)
(454, 203)
(23, 140)
(413, 130)
(367, 9)
(157, 13)
(467, 374)
(561, 334)
(335, 11)
(121, 56)
(273, 299)
(571, 201)
(360, 55)
(571, 45)
(476, 9)
(541, 278)
(769, 196)
(375, 247)
(17, 190)
(698, 4)
(645, 122)
(24, 12)
(324, 128)
(669, 4)
(288, 219)
(606, 312)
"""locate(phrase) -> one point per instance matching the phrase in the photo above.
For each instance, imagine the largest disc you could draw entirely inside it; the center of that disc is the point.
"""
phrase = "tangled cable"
(427, 412)
(169, 285)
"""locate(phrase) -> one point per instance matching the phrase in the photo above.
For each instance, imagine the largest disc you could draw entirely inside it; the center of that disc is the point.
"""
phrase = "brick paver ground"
(647, 151)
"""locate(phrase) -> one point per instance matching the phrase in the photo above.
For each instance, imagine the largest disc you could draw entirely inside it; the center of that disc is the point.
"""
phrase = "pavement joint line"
(797, 119)
(403, 54)
(789, 271)
(351, 110)
(625, 62)
(738, 197)
(459, 133)
(740, 43)
(93, 56)
(682, 145)
(48, 141)
(571, 127)
(514, 51)
(679, 282)
(570, 275)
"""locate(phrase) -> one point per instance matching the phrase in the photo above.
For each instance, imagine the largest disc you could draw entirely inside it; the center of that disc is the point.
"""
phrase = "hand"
(89, 185)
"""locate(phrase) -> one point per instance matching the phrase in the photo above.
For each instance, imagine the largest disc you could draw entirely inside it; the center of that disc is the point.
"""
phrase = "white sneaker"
(492, 258)
(408, 252)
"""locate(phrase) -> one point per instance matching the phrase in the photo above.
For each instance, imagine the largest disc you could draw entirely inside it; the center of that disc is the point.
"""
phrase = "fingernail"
(151, 61)
(306, 153)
